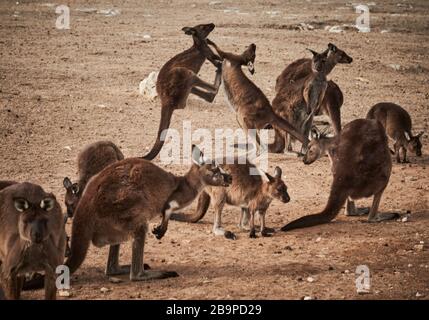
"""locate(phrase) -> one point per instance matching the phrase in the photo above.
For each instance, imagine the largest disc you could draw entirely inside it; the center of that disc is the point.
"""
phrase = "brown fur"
(91, 160)
(291, 79)
(361, 167)
(397, 123)
(253, 109)
(179, 77)
(251, 193)
(119, 202)
(32, 237)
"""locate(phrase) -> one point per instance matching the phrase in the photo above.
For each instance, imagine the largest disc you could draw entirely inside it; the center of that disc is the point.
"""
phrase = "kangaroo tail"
(283, 125)
(166, 113)
(335, 202)
(202, 207)
(82, 229)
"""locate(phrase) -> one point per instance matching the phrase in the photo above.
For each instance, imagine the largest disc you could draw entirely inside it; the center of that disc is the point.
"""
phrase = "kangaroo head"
(414, 144)
(200, 31)
(318, 61)
(316, 147)
(276, 187)
(72, 196)
(34, 208)
(248, 58)
(209, 172)
(338, 56)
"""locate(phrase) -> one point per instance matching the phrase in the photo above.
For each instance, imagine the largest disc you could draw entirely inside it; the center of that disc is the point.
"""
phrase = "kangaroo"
(252, 193)
(32, 237)
(361, 167)
(90, 161)
(300, 101)
(253, 109)
(119, 202)
(178, 78)
(397, 123)
(333, 100)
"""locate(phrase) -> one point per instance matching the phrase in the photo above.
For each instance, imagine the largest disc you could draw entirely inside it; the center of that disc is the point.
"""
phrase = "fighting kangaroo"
(119, 202)
(333, 100)
(178, 78)
(397, 123)
(253, 193)
(90, 161)
(300, 101)
(361, 167)
(253, 109)
(32, 237)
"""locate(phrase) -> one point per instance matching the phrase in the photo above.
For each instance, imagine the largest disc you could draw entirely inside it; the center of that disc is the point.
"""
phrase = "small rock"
(213, 3)
(115, 280)
(308, 298)
(419, 247)
(362, 79)
(410, 265)
(384, 31)
(318, 239)
(104, 290)
(346, 271)
(68, 148)
(336, 29)
(395, 67)
(147, 86)
(419, 295)
(310, 279)
(404, 219)
(64, 293)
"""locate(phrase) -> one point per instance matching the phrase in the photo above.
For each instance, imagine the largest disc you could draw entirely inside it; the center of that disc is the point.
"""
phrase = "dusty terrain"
(62, 89)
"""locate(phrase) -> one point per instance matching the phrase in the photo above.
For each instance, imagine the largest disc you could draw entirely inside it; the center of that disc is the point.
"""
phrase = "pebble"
(308, 298)
(104, 290)
(64, 293)
(419, 295)
(404, 219)
(310, 279)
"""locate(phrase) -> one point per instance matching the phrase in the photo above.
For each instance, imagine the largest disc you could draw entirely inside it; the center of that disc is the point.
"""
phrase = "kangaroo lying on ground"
(119, 202)
(253, 109)
(90, 161)
(178, 78)
(397, 123)
(333, 99)
(301, 100)
(361, 166)
(32, 237)
(252, 193)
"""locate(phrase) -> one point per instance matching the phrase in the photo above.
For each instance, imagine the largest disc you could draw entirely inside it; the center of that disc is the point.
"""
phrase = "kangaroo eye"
(47, 204)
(21, 204)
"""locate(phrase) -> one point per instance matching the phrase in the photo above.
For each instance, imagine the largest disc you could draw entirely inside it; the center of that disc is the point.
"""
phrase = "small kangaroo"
(252, 193)
(90, 161)
(253, 109)
(361, 167)
(300, 101)
(118, 203)
(397, 123)
(178, 78)
(32, 237)
(333, 100)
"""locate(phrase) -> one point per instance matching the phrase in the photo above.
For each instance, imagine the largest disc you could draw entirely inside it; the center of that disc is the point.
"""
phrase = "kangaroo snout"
(285, 198)
(37, 231)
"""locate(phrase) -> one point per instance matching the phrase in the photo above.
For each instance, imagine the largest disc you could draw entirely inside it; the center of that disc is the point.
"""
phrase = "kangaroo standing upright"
(252, 193)
(253, 109)
(118, 203)
(32, 237)
(333, 100)
(90, 161)
(300, 101)
(178, 78)
(397, 123)
(361, 167)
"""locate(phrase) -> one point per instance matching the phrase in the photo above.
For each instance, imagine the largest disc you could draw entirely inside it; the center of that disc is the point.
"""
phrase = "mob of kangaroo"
(115, 198)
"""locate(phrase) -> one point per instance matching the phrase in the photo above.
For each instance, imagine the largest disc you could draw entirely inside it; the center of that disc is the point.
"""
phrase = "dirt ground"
(63, 89)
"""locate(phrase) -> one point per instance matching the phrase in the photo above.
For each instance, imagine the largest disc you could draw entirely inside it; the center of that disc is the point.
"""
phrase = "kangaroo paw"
(159, 232)
(230, 235)
(266, 233)
(252, 234)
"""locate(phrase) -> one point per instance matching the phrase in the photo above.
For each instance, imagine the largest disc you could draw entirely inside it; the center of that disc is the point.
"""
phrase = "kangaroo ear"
(313, 52)
(277, 172)
(407, 136)
(332, 47)
(67, 183)
(189, 31)
(197, 156)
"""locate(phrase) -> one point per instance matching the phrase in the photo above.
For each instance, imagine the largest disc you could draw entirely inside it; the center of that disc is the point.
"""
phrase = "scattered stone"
(318, 239)
(395, 67)
(147, 86)
(214, 3)
(68, 148)
(385, 31)
(64, 293)
(419, 247)
(115, 280)
(104, 290)
(410, 265)
(310, 279)
(147, 37)
(404, 219)
(335, 29)
(346, 271)
(362, 79)
(419, 295)
(109, 12)
(308, 298)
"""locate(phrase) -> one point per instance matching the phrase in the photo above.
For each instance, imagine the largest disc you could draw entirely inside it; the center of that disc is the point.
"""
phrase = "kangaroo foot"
(252, 234)
(152, 275)
(243, 227)
(358, 212)
(265, 233)
(230, 235)
(159, 231)
(383, 216)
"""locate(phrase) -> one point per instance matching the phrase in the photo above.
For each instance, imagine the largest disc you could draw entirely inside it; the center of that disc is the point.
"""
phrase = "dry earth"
(62, 89)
